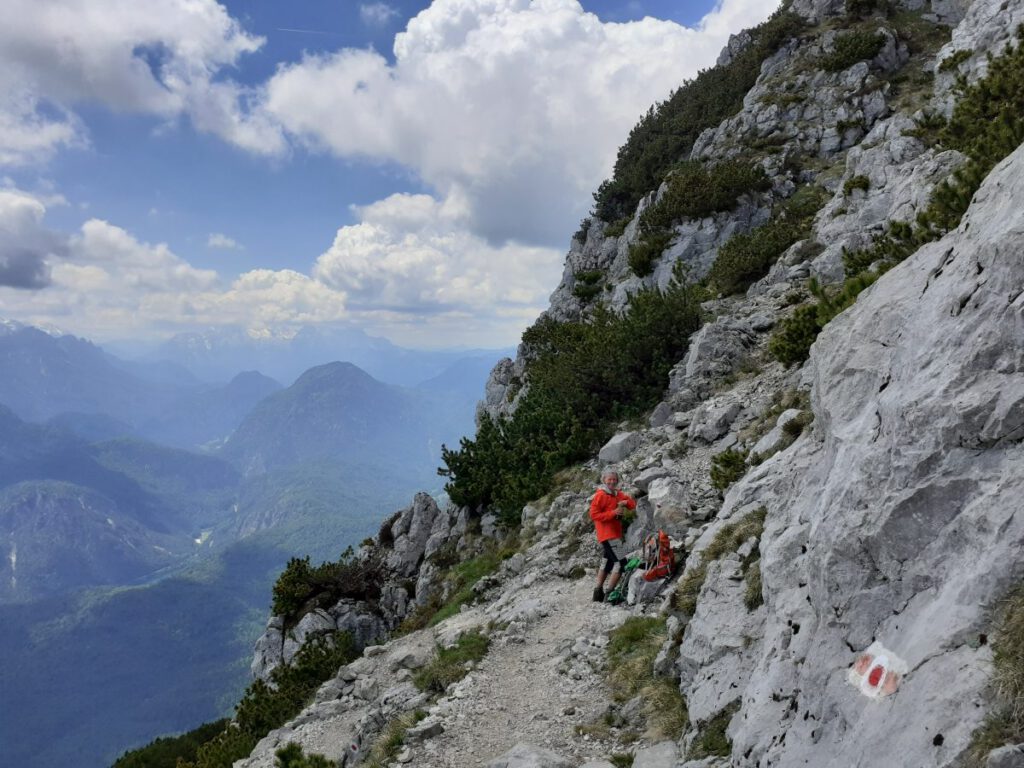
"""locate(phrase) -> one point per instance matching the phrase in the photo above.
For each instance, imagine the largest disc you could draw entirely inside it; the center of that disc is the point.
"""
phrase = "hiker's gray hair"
(609, 472)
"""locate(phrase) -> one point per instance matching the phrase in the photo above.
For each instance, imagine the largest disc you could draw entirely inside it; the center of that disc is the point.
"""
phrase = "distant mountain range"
(145, 513)
(217, 354)
(338, 412)
(76, 514)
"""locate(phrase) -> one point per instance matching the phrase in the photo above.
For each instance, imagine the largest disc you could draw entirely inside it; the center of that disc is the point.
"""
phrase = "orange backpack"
(660, 558)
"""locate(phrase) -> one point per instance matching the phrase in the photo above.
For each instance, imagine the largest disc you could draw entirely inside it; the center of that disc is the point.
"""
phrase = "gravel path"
(535, 687)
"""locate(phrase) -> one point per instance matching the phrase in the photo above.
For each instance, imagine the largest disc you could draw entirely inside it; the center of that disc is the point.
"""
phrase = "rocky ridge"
(889, 515)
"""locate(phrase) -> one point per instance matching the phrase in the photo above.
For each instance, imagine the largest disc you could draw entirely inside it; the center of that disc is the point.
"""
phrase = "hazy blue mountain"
(216, 354)
(57, 537)
(465, 377)
(209, 415)
(76, 514)
(46, 375)
(92, 427)
(86, 677)
(340, 413)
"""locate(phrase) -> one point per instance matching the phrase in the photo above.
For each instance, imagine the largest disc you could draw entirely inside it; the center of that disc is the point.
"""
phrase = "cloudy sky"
(412, 168)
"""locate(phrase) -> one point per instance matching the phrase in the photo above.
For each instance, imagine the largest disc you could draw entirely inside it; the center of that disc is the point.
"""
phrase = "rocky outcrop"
(896, 520)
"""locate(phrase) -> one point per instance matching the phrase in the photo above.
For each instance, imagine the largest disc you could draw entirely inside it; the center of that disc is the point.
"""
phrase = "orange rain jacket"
(602, 512)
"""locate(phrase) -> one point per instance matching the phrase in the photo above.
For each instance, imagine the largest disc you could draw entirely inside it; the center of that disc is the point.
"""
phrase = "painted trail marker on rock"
(877, 672)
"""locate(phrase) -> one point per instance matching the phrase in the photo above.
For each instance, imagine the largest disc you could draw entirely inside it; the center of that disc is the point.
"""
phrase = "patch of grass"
(753, 598)
(292, 756)
(617, 228)
(854, 183)
(632, 649)
(727, 467)
(729, 538)
(465, 575)
(621, 760)
(1005, 721)
(387, 745)
(712, 740)
(450, 664)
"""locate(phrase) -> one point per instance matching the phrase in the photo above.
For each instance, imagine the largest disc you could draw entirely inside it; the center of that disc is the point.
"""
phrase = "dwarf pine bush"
(665, 135)
(583, 378)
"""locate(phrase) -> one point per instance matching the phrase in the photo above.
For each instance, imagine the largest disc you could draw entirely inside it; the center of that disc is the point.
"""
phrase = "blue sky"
(273, 164)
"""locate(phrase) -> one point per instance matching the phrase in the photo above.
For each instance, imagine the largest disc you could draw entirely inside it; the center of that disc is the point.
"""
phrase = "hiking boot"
(598, 595)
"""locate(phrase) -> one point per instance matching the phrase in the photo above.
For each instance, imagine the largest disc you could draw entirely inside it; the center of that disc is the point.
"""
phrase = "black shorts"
(612, 550)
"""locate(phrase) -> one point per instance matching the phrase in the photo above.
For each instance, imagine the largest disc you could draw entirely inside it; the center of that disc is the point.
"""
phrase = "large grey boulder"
(267, 655)
(1011, 756)
(901, 173)
(661, 755)
(619, 447)
(527, 756)
(314, 623)
(716, 656)
(715, 352)
(412, 529)
(899, 520)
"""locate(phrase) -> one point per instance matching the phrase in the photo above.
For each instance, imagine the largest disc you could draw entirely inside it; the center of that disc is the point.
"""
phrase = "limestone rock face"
(897, 520)
(715, 351)
(901, 176)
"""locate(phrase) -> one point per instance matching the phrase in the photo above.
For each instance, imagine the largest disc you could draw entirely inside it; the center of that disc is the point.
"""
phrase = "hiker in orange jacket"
(606, 511)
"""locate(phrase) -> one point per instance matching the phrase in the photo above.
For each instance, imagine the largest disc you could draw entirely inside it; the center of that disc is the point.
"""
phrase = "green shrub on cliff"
(987, 125)
(694, 190)
(166, 751)
(746, 258)
(584, 377)
(852, 47)
(665, 135)
(302, 587)
(264, 707)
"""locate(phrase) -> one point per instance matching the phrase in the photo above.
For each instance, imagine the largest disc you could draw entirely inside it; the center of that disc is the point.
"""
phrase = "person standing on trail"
(606, 510)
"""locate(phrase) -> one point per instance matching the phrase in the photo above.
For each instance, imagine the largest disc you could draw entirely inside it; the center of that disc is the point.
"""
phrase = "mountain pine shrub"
(854, 183)
(584, 377)
(694, 190)
(265, 707)
(166, 751)
(791, 342)
(727, 467)
(851, 47)
(302, 587)
(746, 258)
(665, 135)
(987, 125)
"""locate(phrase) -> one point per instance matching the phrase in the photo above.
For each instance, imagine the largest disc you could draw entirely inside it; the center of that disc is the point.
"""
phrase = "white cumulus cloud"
(376, 14)
(514, 106)
(413, 255)
(163, 59)
(223, 242)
